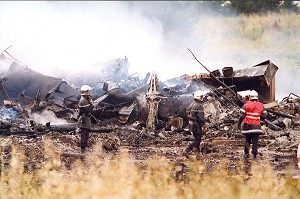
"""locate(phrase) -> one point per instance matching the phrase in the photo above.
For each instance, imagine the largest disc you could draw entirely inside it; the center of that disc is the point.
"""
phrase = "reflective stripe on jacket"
(253, 111)
(251, 129)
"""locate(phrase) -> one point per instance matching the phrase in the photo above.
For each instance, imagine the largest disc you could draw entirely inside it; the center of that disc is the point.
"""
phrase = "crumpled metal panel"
(266, 69)
(251, 72)
(260, 77)
(21, 79)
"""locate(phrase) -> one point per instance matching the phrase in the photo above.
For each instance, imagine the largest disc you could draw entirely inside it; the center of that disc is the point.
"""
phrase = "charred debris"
(143, 111)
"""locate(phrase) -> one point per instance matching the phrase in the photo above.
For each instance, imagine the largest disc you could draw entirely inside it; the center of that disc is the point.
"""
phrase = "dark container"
(216, 73)
(227, 71)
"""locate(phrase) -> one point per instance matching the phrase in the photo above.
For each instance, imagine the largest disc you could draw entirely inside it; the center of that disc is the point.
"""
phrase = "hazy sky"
(56, 37)
(52, 35)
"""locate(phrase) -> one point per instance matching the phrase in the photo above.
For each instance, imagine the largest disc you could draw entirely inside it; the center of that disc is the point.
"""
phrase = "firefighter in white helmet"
(195, 114)
(85, 107)
(251, 113)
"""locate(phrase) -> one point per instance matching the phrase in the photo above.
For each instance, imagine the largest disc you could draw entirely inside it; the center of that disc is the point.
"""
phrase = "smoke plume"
(56, 38)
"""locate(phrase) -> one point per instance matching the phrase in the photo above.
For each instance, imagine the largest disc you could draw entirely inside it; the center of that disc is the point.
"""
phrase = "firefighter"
(195, 114)
(251, 112)
(85, 107)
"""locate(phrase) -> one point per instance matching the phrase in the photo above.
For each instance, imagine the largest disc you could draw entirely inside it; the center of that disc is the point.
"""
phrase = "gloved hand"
(77, 115)
(204, 129)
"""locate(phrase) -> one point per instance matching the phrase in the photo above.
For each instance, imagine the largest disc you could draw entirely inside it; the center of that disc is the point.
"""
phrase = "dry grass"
(255, 27)
(118, 176)
(275, 36)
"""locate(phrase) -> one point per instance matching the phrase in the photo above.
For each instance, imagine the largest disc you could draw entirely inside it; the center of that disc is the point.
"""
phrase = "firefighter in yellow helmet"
(85, 107)
(195, 114)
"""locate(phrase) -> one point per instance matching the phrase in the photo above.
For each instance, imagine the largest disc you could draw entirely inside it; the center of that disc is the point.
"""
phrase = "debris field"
(143, 115)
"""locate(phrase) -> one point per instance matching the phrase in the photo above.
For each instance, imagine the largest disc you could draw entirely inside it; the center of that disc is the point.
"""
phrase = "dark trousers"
(84, 138)
(251, 138)
(196, 130)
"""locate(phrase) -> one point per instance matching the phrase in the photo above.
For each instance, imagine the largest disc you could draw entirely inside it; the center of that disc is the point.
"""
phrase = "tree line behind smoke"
(237, 7)
(263, 6)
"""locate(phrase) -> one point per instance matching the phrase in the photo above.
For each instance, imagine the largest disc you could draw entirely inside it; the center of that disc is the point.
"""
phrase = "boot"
(186, 152)
(83, 149)
(196, 150)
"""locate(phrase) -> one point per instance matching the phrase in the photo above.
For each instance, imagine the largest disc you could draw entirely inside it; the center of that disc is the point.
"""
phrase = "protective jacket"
(195, 112)
(250, 115)
(85, 107)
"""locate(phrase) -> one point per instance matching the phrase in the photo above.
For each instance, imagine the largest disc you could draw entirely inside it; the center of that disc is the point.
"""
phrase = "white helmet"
(253, 95)
(85, 89)
(199, 94)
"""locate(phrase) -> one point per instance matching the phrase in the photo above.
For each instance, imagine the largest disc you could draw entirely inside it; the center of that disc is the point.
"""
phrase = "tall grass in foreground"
(118, 176)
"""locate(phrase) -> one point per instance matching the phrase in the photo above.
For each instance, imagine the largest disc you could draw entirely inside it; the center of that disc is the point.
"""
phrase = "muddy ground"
(278, 148)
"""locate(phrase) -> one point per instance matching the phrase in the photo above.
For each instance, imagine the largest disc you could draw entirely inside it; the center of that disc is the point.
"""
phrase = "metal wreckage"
(143, 114)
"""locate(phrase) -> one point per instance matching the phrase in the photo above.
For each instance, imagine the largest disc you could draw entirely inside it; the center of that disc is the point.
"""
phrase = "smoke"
(47, 116)
(56, 38)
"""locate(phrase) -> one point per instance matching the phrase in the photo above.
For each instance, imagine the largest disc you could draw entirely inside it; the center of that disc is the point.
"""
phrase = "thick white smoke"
(47, 116)
(74, 35)
(57, 37)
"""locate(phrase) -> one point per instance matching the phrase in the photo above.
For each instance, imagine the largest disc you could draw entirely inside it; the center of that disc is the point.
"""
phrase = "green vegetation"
(263, 6)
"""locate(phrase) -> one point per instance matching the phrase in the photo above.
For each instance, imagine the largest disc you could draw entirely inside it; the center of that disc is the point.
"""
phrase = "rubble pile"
(221, 139)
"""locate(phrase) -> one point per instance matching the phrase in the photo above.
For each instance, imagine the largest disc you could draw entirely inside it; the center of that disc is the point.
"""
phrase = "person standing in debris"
(195, 114)
(251, 112)
(85, 107)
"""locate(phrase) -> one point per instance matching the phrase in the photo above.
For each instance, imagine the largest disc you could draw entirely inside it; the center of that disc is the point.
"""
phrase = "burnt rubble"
(144, 115)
